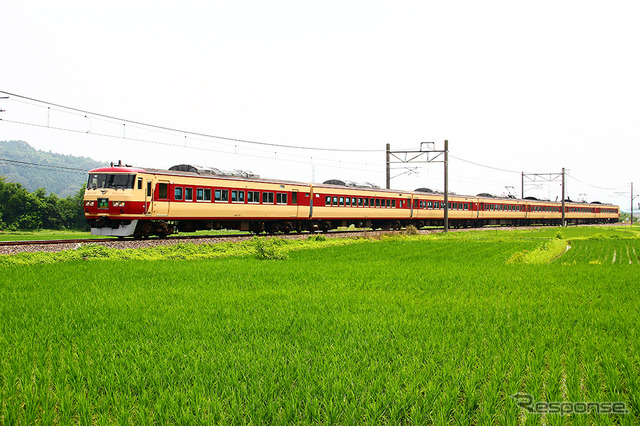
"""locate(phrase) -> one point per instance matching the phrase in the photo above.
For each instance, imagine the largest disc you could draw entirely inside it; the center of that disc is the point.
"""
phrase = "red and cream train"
(126, 201)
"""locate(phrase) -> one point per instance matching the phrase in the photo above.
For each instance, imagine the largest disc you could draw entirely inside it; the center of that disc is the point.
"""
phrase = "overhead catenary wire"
(43, 166)
(197, 135)
(271, 153)
(596, 187)
(155, 126)
(339, 164)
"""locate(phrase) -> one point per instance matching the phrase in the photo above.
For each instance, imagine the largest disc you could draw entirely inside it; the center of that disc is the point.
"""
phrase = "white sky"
(523, 86)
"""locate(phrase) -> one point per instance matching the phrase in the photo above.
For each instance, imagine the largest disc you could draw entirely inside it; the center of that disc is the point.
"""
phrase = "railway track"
(12, 247)
(175, 238)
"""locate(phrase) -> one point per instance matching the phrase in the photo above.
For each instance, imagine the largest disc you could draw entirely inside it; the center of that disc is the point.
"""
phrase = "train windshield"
(113, 181)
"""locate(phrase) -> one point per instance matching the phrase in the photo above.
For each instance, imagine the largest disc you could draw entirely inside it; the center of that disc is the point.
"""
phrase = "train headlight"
(118, 204)
(89, 203)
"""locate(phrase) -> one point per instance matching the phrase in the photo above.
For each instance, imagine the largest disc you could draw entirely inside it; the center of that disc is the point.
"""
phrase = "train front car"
(114, 200)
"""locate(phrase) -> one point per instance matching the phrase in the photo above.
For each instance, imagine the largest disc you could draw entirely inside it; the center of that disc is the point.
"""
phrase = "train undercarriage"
(163, 228)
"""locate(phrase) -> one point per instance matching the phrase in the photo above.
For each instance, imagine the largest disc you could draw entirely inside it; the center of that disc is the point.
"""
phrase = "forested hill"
(54, 180)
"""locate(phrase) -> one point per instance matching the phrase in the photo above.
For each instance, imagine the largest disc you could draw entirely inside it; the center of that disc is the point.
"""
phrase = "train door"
(161, 202)
(148, 198)
(311, 202)
(294, 200)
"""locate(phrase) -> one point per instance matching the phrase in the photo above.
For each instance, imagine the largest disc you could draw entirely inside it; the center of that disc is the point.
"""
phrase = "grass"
(406, 330)
(43, 235)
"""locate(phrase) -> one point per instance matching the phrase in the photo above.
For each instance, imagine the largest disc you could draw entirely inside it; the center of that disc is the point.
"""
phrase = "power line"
(339, 164)
(169, 133)
(44, 166)
(154, 126)
(597, 187)
(484, 165)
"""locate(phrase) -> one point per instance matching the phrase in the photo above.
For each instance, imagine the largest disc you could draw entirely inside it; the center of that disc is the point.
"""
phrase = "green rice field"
(437, 329)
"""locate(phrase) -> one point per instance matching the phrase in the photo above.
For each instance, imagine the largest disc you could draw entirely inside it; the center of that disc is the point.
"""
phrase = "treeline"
(21, 209)
(35, 169)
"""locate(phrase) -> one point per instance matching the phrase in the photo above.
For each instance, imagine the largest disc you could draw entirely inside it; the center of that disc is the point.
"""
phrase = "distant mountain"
(54, 178)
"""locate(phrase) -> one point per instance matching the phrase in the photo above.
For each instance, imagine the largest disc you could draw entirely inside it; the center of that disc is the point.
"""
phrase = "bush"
(268, 249)
(411, 230)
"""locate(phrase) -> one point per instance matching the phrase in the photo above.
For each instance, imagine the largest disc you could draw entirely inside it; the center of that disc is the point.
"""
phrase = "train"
(126, 201)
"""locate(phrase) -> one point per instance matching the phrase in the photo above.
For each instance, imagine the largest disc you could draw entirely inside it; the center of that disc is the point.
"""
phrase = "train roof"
(130, 169)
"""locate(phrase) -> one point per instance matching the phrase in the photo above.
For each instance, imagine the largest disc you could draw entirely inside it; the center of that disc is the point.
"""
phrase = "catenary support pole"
(563, 218)
(446, 186)
(388, 166)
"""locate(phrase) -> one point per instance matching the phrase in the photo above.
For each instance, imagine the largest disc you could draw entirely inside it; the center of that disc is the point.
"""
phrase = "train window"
(267, 198)
(377, 202)
(393, 203)
(327, 200)
(139, 183)
(388, 202)
(188, 194)
(335, 201)
(217, 195)
(466, 206)
(294, 197)
(360, 202)
(372, 202)
(366, 202)
(281, 198)
(429, 204)
(225, 195)
(177, 193)
(347, 201)
(237, 196)
(115, 181)
(341, 201)
(162, 191)
(253, 197)
(199, 194)
(354, 201)
(207, 194)
(148, 188)
(241, 196)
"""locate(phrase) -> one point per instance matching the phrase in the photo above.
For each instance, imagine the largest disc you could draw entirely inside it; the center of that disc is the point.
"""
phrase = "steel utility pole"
(632, 197)
(446, 185)
(388, 184)
(404, 158)
(563, 221)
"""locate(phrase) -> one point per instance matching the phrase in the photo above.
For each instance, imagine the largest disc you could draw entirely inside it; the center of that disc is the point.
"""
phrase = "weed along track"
(394, 329)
